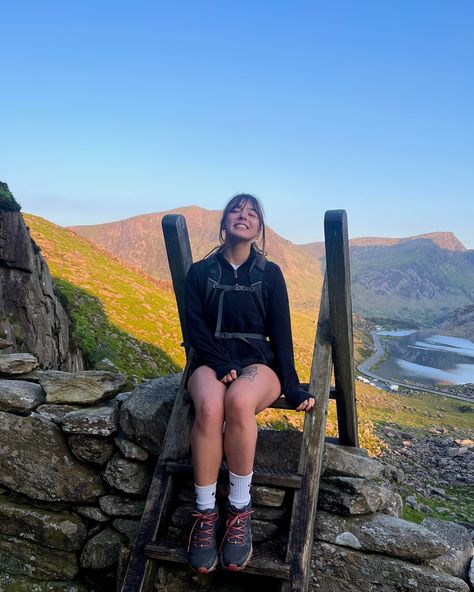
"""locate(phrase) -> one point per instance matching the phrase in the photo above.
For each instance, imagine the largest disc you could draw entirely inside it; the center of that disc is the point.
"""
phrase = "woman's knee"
(209, 413)
(237, 408)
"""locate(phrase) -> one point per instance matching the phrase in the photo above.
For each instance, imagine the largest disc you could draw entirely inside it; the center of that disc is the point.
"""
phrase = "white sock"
(239, 495)
(205, 496)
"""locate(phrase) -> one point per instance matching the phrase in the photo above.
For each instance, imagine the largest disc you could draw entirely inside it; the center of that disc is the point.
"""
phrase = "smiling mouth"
(240, 225)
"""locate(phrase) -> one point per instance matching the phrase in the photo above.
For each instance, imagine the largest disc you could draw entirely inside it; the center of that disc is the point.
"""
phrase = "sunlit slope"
(135, 303)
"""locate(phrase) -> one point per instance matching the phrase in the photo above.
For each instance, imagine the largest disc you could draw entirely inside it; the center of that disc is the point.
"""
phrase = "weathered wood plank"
(311, 457)
(178, 249)
(340, 311)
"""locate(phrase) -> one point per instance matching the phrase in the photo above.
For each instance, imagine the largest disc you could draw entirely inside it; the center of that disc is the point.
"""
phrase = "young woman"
(238, 323)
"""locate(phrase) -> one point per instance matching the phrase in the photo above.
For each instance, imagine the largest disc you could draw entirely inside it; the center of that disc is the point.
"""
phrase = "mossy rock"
(7, 201)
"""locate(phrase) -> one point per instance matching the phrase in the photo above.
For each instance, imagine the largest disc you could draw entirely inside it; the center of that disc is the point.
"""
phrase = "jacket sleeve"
(279, 330)
(199, 335)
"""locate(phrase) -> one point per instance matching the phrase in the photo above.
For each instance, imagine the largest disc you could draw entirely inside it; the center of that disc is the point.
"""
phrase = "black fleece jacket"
(241, 314)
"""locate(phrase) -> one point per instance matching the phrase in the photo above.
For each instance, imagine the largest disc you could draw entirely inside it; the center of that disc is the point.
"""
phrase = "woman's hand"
(230, 377)
(306, 405)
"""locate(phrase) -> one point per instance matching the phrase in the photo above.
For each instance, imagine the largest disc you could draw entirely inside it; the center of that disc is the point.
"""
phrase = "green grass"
(98, 338)
(458, 501)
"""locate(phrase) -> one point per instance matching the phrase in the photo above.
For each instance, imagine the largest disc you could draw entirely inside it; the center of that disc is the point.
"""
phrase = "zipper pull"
(236, 277)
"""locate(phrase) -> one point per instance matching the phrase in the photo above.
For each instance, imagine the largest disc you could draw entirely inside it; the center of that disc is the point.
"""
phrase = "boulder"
(344, 461)
(92, 513)
(102, 550)
(85, 388)
(128, 476)
(127, 527)
(116, 505)
(36, 461)
(56, 412)
(144, 415)
(91, 449)
(267, 496)
(12, 583)
(380, 534)
(17, 396)
(459, 550)
(278, 448)
(263, 530)
(59, 530)
(22, 557)
(340, 569)
(349, 495)
(13, 364)
(96, 421)
(129, 449)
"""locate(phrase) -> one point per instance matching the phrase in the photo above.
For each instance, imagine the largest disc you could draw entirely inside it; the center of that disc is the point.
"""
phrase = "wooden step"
(262, 475)
(266, 559)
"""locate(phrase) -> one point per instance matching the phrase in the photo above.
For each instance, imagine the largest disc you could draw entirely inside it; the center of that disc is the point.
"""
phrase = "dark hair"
(239, 201)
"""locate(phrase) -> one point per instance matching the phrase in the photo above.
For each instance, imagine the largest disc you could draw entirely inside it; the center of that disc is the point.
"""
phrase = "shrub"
(7, 201)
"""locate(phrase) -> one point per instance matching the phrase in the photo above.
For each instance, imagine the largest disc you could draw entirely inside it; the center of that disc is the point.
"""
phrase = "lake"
(426, 358)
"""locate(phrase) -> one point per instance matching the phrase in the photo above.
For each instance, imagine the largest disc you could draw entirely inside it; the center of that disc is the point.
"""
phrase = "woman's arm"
(279, 328)
(199, 335)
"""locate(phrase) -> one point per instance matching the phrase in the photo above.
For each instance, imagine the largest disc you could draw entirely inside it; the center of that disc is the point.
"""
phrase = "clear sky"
(111, 109)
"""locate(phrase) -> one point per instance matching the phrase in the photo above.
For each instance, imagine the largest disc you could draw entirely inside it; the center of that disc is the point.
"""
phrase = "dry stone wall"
(76, 458)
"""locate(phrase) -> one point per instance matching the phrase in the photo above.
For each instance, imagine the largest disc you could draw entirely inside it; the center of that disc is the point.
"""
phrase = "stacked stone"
(75, 467)
(361, 542)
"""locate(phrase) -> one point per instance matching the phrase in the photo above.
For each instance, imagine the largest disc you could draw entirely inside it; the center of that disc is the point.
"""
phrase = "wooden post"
(178, 249)
(340, 309)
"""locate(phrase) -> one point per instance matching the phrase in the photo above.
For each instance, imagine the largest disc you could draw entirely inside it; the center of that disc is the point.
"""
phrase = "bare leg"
(255, 389)
(207, 394)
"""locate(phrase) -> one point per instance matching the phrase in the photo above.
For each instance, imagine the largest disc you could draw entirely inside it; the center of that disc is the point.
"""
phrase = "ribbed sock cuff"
(239, 495)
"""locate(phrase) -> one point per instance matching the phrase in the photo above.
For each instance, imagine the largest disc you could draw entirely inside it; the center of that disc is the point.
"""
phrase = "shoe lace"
(236, 528)
(202, 532)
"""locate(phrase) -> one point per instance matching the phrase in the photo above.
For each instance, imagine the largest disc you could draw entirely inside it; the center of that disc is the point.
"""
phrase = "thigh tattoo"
(249, 373)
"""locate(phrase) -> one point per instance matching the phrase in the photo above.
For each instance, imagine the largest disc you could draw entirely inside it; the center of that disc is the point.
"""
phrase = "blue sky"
(112, 109)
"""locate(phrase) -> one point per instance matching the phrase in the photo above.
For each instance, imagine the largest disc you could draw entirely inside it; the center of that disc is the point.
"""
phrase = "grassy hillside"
(111, 303)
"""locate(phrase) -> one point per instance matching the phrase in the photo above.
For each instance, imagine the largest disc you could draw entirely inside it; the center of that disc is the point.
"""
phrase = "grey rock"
(410, 500)
(129, 528)
(128, 476)
(18, 363)
(278, 448)
(129, 449)
(340, 569)
(22, 557)
(36, 461)
(470, 575)
(91, 449)
(263, 530)
(59, 530)
(266, 513)
(102, 550)
(344, 462)
(31, 316)
(17, 396)
(144, 415)
(116, 505)
(55, 412)
(452, 452)
(15, 583)
(267, 496)
(381, 534)
(92, 513)
(96, 421)
(182, 516)
(458, 555)
(86, 388)
(348, 495)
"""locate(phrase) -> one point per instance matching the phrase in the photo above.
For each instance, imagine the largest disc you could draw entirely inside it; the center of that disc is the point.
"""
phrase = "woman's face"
(242, 222)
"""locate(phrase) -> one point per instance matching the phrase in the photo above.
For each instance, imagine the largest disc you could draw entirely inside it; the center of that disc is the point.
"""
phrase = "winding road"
(377, 355)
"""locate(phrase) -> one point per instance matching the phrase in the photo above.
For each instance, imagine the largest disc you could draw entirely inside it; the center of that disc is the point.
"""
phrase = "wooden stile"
(333, 342)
